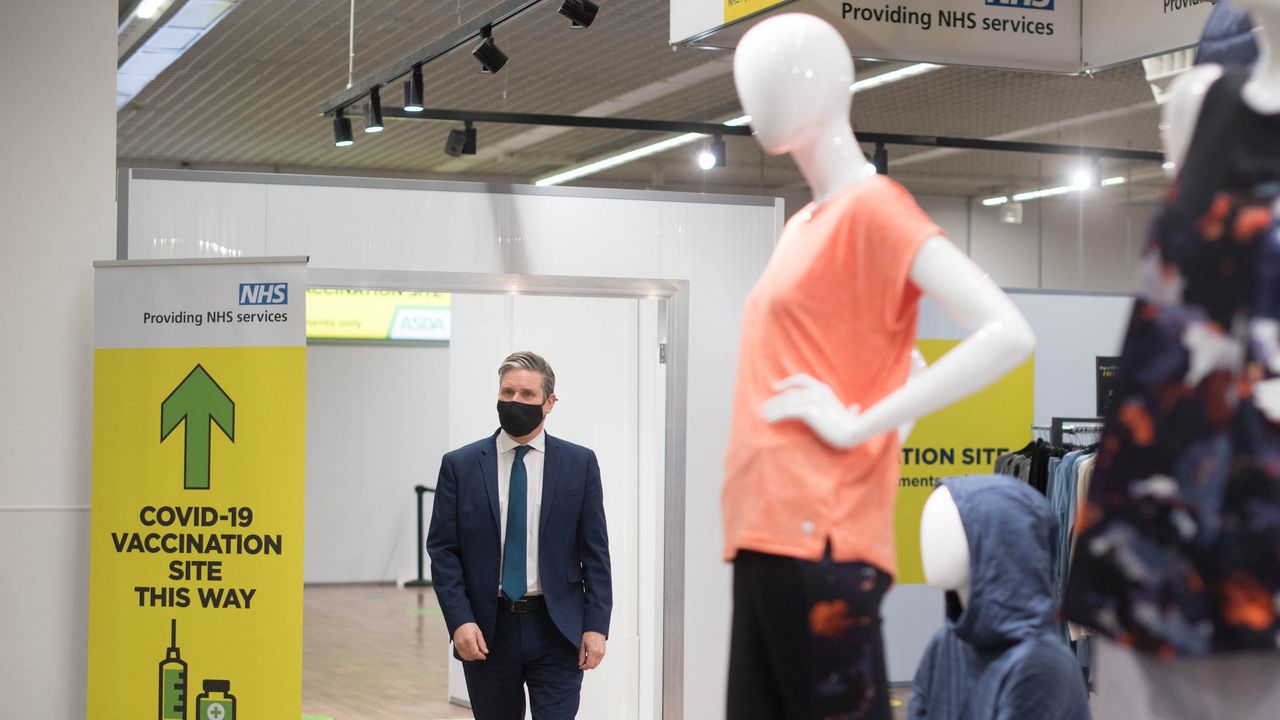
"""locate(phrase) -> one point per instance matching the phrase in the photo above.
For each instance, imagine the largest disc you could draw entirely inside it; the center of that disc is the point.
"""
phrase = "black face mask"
(517, 418)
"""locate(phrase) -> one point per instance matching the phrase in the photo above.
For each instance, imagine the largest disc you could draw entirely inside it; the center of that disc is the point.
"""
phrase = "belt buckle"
(521, 606)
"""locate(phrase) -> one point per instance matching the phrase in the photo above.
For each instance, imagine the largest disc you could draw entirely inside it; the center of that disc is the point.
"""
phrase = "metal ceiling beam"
(571, 121)
(450, 41)
(669, 126)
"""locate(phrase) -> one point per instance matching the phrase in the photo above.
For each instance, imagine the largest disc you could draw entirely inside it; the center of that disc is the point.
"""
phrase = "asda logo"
(1024, 4)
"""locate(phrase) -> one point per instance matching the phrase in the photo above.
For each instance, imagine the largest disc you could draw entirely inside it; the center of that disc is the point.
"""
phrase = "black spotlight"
(581, 13)
(413, 91)
(373, 112)
(461, 141)
(491, 58)
(342, 130)
(881, 159)
(713, 156)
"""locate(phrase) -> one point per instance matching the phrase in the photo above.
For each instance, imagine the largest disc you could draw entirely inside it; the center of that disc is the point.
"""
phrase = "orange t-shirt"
(835, 301)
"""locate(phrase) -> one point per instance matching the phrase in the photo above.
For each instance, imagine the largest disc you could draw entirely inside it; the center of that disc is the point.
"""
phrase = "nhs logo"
(1024, 4)
(264, 293)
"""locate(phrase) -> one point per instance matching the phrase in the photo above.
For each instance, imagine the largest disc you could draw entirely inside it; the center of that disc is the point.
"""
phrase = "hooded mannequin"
(811, 470)
(1241, 685)
(986, 541)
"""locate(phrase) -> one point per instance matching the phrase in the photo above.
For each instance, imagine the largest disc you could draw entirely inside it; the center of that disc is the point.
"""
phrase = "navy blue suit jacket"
(573, 545)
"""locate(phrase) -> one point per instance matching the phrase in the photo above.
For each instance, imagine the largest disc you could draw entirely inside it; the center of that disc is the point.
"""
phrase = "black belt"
(526, 604)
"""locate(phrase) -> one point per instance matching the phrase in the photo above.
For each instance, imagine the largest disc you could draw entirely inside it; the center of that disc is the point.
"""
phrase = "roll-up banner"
(1066, 36)
(195, 582)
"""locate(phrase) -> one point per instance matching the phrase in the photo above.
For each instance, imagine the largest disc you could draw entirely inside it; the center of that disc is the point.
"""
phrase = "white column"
(57, 162)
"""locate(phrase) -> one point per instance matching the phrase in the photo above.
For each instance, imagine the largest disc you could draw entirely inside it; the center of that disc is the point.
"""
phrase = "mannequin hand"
(804, 398)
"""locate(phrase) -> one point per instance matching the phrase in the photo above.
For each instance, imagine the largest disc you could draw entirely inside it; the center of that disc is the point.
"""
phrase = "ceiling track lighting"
(342, 130)
(373, 112)
(491, 58)
(713, 156)
(880, 159)
(413, 91)
(581, 13)
(461, 141)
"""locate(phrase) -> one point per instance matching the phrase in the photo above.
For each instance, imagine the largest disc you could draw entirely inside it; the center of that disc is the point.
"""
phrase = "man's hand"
(469, 642)
(591, 651)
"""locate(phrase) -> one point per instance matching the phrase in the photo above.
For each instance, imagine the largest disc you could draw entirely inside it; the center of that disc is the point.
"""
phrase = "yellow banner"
(961, 439)
(197, 533)
(377, 314)
(738, 9)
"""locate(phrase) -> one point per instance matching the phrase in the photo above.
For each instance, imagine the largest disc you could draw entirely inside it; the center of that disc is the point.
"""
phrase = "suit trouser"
(806, 640)
(526, 649)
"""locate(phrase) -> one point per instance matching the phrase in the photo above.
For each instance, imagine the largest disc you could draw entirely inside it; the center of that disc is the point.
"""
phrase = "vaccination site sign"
(961, 439)
(373, 315)
(199, 410)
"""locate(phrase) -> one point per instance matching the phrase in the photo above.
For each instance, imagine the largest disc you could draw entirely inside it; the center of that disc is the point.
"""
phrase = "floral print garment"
(1178, 545)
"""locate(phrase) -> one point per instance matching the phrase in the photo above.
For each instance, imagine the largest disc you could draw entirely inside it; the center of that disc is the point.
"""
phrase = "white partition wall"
(599, 355)
(377, 423)
(718, 244)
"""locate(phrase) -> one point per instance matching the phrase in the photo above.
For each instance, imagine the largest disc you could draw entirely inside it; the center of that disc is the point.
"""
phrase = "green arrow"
(199, 401)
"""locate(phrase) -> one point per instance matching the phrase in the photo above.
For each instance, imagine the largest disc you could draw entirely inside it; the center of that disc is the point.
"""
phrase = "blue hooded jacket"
(1001, 656)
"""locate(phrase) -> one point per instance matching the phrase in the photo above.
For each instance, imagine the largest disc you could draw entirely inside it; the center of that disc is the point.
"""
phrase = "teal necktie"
(514, 556)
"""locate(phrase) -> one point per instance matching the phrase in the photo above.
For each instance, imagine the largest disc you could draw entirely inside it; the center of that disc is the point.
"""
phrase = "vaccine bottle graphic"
(216, 702)
(173, 679)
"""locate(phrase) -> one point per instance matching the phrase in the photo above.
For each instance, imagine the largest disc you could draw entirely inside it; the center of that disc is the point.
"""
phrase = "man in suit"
(520, 555)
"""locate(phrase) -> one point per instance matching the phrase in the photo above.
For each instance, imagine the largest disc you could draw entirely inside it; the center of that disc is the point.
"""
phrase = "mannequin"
(986, 541)
(793, 79)
(944, 548)
(823, 383)
(1219, 676)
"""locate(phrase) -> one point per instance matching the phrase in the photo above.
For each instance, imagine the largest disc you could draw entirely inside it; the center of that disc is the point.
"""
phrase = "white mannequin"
(944, 546)
(1261, 91)
(793, 73)
(1240, 686)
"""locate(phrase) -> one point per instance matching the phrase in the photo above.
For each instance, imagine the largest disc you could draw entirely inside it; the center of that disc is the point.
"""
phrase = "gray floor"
(379, 653)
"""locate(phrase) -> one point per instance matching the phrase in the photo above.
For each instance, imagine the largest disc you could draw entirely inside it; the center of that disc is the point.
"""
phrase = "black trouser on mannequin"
(806, 640)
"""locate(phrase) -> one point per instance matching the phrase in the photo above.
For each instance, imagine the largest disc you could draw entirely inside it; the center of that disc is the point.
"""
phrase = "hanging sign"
(1111, 33)
(195, 582)
(1051, 35)
(738, 9)
(964, 438)
(1020, 34)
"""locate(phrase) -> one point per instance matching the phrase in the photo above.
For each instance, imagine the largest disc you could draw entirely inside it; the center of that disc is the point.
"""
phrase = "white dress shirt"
(533, 461)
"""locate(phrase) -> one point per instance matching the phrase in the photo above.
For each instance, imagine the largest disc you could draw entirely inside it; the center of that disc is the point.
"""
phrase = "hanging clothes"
(1000, 656)
(1179, 545)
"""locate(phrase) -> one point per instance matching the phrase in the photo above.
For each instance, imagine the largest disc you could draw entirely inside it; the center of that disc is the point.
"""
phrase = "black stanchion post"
(421, 490)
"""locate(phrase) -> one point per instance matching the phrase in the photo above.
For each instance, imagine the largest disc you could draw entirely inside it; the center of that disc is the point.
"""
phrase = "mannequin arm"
(1000, 340)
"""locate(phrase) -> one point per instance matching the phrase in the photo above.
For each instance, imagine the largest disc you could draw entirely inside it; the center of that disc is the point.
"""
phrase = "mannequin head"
(793, 73)
(944, 546)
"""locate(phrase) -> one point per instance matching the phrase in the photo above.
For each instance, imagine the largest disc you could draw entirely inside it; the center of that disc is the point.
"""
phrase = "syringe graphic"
(173, 680)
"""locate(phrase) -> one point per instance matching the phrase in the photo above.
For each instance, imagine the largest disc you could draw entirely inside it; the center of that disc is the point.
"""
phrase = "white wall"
(56, 198)
(1075, 242)
(595, 348)
(377, 424)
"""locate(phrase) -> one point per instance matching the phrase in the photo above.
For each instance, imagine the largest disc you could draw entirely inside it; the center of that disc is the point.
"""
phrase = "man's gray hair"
(525, 360)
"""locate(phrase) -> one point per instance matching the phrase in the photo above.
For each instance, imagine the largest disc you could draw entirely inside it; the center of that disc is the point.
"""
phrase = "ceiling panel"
(248, 95)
